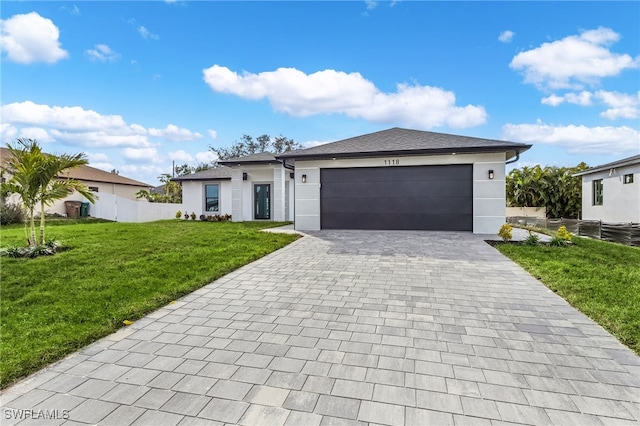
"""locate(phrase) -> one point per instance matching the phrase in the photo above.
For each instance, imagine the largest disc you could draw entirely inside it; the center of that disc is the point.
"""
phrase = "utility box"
(73, 209)
(84, 210)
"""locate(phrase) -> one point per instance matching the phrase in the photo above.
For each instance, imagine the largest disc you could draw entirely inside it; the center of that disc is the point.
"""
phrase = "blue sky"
(137, 85)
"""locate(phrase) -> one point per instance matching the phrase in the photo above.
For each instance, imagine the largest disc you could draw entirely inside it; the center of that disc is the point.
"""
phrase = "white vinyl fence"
(118, 209)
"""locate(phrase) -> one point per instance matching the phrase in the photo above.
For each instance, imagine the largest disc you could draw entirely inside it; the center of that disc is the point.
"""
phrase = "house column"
(236, 195)
(278, 194)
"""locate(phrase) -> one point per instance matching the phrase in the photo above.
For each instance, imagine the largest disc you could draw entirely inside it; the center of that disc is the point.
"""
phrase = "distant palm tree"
(39, 180)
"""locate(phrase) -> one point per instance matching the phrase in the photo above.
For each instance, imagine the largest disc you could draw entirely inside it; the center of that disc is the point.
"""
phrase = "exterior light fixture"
(292, 175)
(304, 178)
(490, 174)
(244, 176)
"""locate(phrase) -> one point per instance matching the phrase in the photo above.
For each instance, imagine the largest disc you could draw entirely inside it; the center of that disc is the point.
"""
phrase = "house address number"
(392, 162)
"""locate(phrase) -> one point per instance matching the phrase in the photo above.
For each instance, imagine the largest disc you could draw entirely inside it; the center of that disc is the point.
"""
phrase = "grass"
(599, 278)
(53, 305)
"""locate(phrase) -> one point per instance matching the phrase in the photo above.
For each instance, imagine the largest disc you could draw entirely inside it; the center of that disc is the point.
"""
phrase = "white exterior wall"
(620, 201)
(123, 191)
(193, 197)
(489, 196)
(242, 190)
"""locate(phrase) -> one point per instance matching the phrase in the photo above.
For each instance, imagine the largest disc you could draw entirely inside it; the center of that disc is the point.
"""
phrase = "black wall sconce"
(244, 176)
(304, 178)
(292, 175)
(490, 174)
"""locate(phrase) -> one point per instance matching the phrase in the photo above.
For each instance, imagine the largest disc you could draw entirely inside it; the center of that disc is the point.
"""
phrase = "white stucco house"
(398, 179)
(98, 181)
(611, 192)
(255, 187)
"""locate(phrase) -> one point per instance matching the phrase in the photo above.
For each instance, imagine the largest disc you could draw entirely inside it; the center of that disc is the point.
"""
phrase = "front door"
(262, 201)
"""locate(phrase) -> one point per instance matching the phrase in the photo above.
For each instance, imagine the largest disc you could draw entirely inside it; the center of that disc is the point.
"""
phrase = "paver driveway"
(351, 326)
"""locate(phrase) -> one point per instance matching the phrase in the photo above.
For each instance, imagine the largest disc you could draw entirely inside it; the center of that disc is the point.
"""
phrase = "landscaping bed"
(110, 272)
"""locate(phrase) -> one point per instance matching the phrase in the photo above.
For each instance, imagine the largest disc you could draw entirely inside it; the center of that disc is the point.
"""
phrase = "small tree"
(39, 180)
(263, 143)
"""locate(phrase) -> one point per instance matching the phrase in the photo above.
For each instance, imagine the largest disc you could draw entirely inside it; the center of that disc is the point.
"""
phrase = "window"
(93, 188)
(212, 198)
(628, 178)
(597, 192)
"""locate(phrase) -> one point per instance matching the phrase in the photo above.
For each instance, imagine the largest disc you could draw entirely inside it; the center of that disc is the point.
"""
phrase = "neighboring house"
(97, 180)
(611, 192)
(392, 179)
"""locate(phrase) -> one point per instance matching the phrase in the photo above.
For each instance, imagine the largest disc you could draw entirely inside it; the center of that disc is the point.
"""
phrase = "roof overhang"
(510, 151)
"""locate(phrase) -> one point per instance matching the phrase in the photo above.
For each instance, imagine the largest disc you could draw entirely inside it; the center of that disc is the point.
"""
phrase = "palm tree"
(38, 179)
(53, 187)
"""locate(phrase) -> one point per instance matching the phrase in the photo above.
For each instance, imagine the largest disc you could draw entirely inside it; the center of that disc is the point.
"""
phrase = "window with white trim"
(212, 198)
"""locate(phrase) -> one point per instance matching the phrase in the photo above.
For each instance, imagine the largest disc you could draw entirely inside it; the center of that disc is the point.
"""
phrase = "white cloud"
(206, 157)
(77, 126)
(311, 144)
(73, 10)
(141, 155)
(106, 166)
(175, 133)
(103, 53)
(181, 156)
(325, 92)
(146, 34)
(621, 105)
(212, 134)
(574, 61)
(31, 38)
(371, 4)
(38, 133)
(553, 100)
(7, 132)
(506, 36)
(97, 157)
(577, 139)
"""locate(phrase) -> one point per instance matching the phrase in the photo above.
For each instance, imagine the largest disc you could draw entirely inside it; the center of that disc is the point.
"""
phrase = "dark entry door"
(412, 197)
(262, 201)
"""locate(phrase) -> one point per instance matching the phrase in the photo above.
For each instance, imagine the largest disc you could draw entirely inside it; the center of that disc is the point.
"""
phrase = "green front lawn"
(599, 278)
(52, 306)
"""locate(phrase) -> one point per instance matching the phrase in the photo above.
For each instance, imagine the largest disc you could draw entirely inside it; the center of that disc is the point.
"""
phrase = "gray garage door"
(416, 197)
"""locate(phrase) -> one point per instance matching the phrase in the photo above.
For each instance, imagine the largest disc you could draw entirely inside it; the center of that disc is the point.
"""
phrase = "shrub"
(178, 214)
(563, 234)
(203, 218)
(47, 249)
(532, 239)
(505, 232)
(561, 238)
(186, 216)
(193, 216)
(11, 213)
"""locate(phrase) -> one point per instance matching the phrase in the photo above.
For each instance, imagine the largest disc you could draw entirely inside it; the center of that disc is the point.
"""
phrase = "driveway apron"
(350, 327)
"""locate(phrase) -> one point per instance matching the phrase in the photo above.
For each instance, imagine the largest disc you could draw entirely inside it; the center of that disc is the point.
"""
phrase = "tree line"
(554, 188)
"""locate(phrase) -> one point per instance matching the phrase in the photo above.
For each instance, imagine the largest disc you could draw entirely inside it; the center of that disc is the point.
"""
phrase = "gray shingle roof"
(261, 157)
(620, 163)
(87, 173)
(405, 142)
(217, 173)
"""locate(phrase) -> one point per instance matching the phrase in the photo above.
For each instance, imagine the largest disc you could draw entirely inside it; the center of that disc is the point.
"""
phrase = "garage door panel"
(394, 174)
(405, 205)
(414, 197)
(397, 189)
(403, 222)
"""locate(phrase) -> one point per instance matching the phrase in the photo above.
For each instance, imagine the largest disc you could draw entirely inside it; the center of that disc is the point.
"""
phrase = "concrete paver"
(351, 327)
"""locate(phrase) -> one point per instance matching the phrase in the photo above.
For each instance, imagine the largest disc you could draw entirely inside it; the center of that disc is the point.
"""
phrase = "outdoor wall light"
(304, 178)
(292, 175)
(244, 176)
(490, 174)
